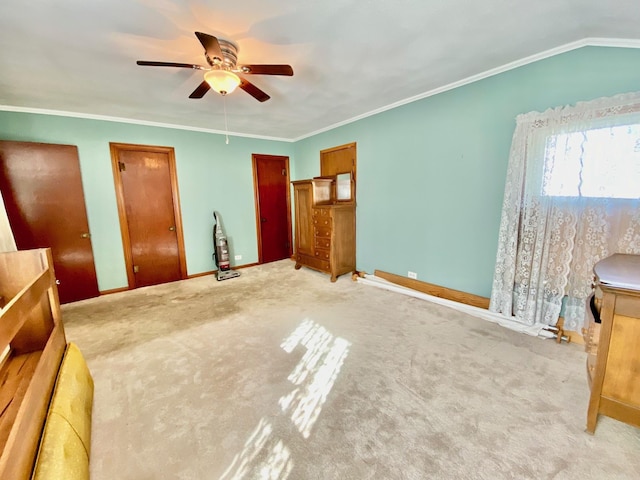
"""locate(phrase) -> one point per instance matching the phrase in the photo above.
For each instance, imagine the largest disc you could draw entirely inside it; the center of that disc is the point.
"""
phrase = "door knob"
(172, 229)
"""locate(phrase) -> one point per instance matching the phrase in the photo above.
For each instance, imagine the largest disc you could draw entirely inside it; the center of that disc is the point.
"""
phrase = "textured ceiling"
(350, 57)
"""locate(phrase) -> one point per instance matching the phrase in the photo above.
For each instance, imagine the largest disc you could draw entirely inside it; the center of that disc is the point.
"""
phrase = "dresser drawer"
(323, 242)
(322, 213)
(322, 232)
(312, 262)
(322, 254)
(322, 222)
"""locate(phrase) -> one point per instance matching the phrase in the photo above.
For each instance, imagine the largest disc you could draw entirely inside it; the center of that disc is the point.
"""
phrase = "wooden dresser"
(325, 229)
(613, 364)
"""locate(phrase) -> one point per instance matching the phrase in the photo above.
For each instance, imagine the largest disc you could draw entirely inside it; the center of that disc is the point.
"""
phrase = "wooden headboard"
(32, 340)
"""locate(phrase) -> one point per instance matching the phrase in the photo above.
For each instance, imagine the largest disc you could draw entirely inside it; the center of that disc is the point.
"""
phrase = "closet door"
(43, 196)
(273, 207)
(149, 208)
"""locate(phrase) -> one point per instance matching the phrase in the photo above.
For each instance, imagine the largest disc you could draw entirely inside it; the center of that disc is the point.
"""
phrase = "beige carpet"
(282, 374)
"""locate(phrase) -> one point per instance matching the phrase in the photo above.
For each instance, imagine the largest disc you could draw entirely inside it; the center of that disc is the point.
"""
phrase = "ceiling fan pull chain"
(226, 128)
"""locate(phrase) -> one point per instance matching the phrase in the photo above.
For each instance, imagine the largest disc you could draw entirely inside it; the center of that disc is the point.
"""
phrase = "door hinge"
(121, 166)
(136, 269)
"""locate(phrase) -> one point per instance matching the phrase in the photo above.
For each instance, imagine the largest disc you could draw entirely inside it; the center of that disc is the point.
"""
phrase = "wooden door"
(147, 193)
(273, 207)
(336, 160)
(303, 198)
(42, 191)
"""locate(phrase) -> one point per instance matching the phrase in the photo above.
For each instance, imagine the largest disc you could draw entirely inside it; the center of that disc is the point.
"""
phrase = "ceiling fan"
(223, 73)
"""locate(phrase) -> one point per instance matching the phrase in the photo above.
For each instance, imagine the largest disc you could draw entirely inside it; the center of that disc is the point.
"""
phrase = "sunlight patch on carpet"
(314, 375)
(265, 456)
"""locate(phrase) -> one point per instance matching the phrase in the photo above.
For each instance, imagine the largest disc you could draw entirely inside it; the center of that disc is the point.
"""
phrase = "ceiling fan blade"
(199, 92)
(169, 64)
(267, 70)
(254, 91)
(211, 46)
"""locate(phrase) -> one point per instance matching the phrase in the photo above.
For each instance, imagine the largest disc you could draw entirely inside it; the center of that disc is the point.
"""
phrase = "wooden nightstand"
(615, 378)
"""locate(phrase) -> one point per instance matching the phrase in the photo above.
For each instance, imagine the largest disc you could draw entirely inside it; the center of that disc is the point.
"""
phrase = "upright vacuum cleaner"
(221, 252)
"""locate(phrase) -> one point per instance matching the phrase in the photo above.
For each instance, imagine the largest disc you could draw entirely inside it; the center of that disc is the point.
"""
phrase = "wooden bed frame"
(32, 342)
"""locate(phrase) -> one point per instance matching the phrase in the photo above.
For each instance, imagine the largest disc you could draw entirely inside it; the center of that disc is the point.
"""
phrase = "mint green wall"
(431, 173)
(211, 175)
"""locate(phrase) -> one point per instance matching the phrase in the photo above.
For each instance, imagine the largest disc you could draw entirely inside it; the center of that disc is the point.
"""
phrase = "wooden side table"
(615, 387)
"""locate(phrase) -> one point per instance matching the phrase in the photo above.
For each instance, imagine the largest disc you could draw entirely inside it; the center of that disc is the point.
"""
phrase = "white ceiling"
(350, 57)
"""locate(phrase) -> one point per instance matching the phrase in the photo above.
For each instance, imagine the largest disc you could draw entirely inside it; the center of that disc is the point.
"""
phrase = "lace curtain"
(572, 198)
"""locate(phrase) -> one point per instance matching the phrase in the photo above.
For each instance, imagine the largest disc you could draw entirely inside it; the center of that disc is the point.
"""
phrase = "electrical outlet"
(413, 275)
(238, 257)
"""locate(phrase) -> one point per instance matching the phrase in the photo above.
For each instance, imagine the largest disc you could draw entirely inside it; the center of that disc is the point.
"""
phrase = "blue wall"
(211, 175)
(431, 173)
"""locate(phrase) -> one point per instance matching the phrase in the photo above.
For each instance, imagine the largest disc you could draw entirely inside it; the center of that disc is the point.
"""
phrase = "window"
(572, 198)
(598, 163)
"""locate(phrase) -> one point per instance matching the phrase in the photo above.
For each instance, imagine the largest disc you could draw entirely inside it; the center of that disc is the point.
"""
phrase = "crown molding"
(106, 118)
(586, 42)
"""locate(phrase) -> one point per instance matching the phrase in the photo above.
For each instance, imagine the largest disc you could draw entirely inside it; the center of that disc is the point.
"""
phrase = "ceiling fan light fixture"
(222, 81)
